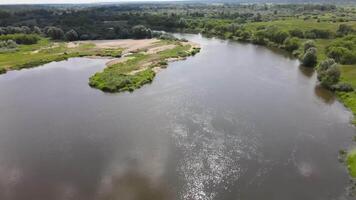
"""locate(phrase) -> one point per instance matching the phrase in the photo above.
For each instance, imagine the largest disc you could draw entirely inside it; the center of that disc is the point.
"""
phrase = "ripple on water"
(211, 158)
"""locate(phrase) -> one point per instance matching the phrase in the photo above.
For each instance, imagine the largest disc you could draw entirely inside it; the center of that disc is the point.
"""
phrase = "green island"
(322, 36)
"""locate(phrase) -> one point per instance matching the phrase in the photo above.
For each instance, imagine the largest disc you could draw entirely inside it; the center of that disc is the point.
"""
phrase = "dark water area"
(237, 121)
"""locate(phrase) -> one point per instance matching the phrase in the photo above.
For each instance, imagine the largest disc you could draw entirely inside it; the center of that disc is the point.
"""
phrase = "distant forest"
(120, 21)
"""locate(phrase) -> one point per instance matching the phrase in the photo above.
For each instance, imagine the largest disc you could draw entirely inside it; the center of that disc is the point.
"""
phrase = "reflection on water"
(133, 185)
(236, 121)
(306, 71)
(324, 94)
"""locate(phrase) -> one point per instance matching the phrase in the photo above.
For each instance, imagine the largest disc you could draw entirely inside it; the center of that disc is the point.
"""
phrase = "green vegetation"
(131, 75)
(351, 162)
(314, 33)
(21, 38)
(45, 51)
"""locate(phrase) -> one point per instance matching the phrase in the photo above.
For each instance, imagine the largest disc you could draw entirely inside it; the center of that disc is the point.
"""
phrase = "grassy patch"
(45, 51)
(122, 76)
(351, 162)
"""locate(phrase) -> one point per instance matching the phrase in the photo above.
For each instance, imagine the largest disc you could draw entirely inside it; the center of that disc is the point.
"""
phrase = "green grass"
(45, 51)
(301, 24)
(119, 77)
(351, 162)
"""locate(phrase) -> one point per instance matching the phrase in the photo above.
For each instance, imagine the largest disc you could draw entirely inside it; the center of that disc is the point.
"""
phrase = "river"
(236, 121)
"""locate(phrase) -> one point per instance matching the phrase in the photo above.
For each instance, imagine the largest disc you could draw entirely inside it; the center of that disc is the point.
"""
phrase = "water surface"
(236, 121)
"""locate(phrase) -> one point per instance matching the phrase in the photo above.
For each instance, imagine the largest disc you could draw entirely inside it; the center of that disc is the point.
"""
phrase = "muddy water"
(237, 121)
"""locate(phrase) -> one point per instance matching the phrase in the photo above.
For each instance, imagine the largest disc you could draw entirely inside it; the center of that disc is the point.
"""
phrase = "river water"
(237, 121)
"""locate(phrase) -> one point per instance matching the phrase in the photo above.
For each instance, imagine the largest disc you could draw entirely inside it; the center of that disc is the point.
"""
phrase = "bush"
(344, 29)
(259, 37)
(329, 74)
(37, 30)
(309, 44)
(71, 35)
(140, 32)
(55, 33)
(329, 77)
(342, 87)
(338, 53)
(318, 33)
(310, 58)
(2, 71)
(21, 38)
(291, 44)
(279, 37)
(8, 44)
(296, 33)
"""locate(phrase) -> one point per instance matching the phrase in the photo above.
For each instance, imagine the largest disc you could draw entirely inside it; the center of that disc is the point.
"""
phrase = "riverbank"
(46, 51)
(140, 65)
(134, 63)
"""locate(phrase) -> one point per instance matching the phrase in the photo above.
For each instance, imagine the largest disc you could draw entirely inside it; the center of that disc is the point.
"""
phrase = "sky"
(62, 1)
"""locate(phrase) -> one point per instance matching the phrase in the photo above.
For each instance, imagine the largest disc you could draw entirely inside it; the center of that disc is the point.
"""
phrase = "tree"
(140, 32)
(310, 57)
(55, 33)
(25, 30)
(328, 73)
(279, 37)
(71, 35)
(37, 30)
(344, 29)
(296, 33)
(309, 44)
(259, 37)
(338, 53)
(291, 44)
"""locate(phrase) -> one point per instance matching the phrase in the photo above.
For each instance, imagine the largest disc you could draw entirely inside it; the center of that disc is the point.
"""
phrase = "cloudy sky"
(61, 1)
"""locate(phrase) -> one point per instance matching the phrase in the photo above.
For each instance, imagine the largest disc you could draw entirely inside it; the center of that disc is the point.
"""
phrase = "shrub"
(140, 32)
(309, 44)
(329, 74)
(37, 30)
(279, 37)
(55, 33)
(342, 87)
(318, 33)
(291, 44)
(329, 77)
(8, 44)
(2, 70)
(337, 53)
(296, 33)
(310, 57)
(259, 37)
(344, 29)
(71, 35)
(21, 38)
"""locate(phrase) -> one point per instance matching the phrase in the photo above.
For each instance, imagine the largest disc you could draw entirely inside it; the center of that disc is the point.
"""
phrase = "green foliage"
(71, 35)
(2, 70)
(110, 81)
(291, 44)
(344, 29)
(140, 32)
(120, 77)
(309, 44)
(329, 77)
(310, 57)
(296, 33)
(259, 37)
(343, 50)
(351, 163)
(55, 33)
(21, 38)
